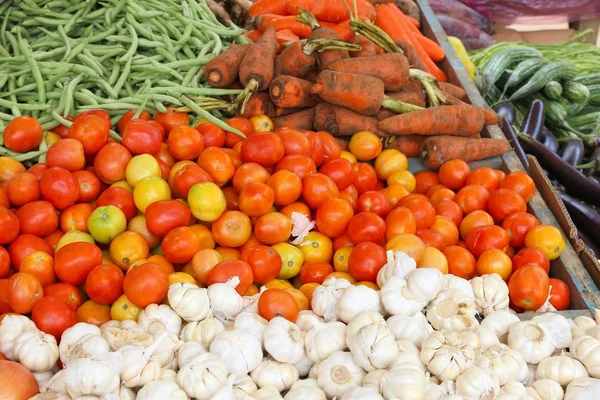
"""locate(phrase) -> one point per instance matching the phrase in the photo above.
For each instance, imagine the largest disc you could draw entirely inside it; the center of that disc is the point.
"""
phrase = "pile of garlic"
(420, 337)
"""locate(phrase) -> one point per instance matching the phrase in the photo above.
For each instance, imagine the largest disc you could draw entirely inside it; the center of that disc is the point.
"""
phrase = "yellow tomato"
(278, 284)
(138, 224)
(341, 275)
(140, 167)
(433, 258)
(127, 248)
(292, 258)
(316, 247)
(365, 145)
(252, 290)
(123, 184)
(262, 123)
(388, 162)
(368, 284)
(547, 239)
(308, 289)
(176, 167)
(123, 309)
(411, 244)
(72, 237)
(349, 156)
(340, 259)
(181, 277)
(150, 190)
(51, 138)
(404, 178)
(106, 223)
(300, 298)
(207, 201)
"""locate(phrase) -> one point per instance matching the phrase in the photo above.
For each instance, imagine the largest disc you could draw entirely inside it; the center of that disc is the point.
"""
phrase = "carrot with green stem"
(223, 70)
(391, 68)
(432, 48)
(298, 120)
(261, 7)
(436, 150)
(340, 121)
(258, 104)
(460, 120)
(416, 97)
(293, 5)
(367, 47)
(343, 30)
(287, 22)
(288, 91)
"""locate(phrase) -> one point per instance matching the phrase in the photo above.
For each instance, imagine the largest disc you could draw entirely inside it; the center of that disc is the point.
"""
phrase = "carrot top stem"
(375, 34)
(241, 100)
(399, 106)
(207, 103)
(307, 18)
(430, 84)
(319, 45)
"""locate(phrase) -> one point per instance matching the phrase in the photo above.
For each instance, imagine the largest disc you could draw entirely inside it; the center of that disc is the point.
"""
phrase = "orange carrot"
(461, 120)
(328, 56)
(411, 53)
(360, 93)
(299, 120)
(407, 145)
(390, 68)
(416, 97)
(326, 24)
(368, 48)
(288, 22)
(295, 62)
(312, 75)
(286, 35)
(436, 150)
(222, 70)
(388, 20)
(343, 30)
(281, 111)
(258, 63)
(340, 121)
(414, 21)
(337, 10)
(264, 21)
(489, 116)
(413, 84)
(288, 91)
(454, 90)
(292, 6)
(258, 104)
(254, 35)
(451, 100)
(261, 7)
(432, 48)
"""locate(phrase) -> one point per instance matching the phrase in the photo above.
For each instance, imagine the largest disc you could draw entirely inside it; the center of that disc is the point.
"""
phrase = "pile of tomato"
(102, 225)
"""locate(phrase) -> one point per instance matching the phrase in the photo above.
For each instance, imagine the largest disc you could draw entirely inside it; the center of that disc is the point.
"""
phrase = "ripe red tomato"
(164, 215)
(294, 142)
(432, 238)
(365, 261)
(23, 188)
(286, 186)
(141, 137)
(4, 304)
(520, 183)
(375, 202)
(249, 173)
(62, 130)
(256, 199)
(317, 151)
(504, 202)
(333, 217)
(66, 292)
(331, 147)
(111, 162)
(24, 290)
(315, 272)
(264, 261)
(146, 284)
(58, 186)
(241, 124)
(528, 287)
(128, 116)
(277, 303)
(299, 164)
(454, 174)
(53, 316)
(4, 262)
(104, 284)
(74, 261)
(560, 295)
(38, 218)
(23, 134)
(9, 225)
(185, 143)
(171, 119)
(213, 135)
(91, 130)
(484, 238)
(273, 228)
(518, 225)
(180, 245)
(471, 198)
(225, 270)
(366, 227)
(187, 177)
(460, 262)
(24, 245)
(99, 113)
(450, 210)
(317, 188)
(423, 211)
(89, 185)
(263, 148)
(486, 177)
(530, 256)
(365, 178)
(119, 197)
(341, 171)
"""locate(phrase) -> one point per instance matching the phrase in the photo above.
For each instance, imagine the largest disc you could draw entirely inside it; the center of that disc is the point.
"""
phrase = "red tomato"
(119, 197)
(471, 198)
(560, 295)
(225, 270)
(53, 316)
(486, 177)
(180, 245)
(23, 188)
(58, 186)
(256, 199)
(263, 148)
(341, 171)
(460, 262)
(294, 142)
(185, 143)
(99, 113)
(89, 186)
(454, 174)
(104, 284)
(264, 261)
(38, 218)
(141, 137)
(423, 211)
(38, 170)
(450, 210)
(164, 215)
(518, 225)
(23, 134)
(241, 124)
(91, 130)
(317, 188)
(213, 135)
(66, 292)
(317, 151)
(520, 183)
(528, 287)
(62, 130)
(74, 261)
(4, 304)
(187, 177)
(171, 119)
(146, 284)
(366, 177)
(249, 173)
(128, 116)
(24, 245)
(530, 256)
(375, 202)
(4, 263)
(504, 202)
(277, 303)
(286, 186)
(432, 238)
(24, 290)
(315, 272)
(484, 238)
(9, 225)
(331, 147)
(365, 261)
(333, 217)
(111, 162)
(366, 227)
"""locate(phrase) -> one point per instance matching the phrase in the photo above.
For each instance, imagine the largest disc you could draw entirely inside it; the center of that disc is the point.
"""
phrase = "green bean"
(55, 78)
(77, 49)
(84, 98)
(209, 117)
(141, 41)
(61, 102)
(62, 32)
(160, 107)
(21, 89)
(35, 70)
(62, 121)
(3, 28)
(23, 106)
(166, 54)
(13, 43)
(6, 117)
(3, 80)
(69, 93)
(134, 44)
(89, 62)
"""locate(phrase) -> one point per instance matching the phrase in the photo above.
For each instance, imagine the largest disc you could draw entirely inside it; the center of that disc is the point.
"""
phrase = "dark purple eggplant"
(534, 120)
(506, 110)
(575, 182)
(583, 216)
(572, 152)
(589, 243)
(510, 134)
(548, 139)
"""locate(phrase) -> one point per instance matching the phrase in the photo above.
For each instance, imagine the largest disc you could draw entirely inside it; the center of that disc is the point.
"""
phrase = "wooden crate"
(585, 296)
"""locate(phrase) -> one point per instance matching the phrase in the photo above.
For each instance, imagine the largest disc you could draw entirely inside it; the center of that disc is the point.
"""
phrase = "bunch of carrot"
(343, 87)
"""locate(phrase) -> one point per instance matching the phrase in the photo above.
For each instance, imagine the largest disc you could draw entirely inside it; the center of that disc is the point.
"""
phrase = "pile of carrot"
(324, 83)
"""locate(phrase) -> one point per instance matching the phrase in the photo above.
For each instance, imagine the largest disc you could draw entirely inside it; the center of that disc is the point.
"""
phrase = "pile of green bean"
(60, 57)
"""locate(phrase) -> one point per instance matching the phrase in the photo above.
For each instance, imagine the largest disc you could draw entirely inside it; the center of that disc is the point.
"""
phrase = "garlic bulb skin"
(583, 388)
(188, 351)
(557, 326)
(415, 328)
(458, 283)
(266, 393)
(89, 377)
(446, 355)
(11, 328)
(307, 320)
(398, 299)
(373, 379)
(203, 332)
(477, 383)
(240, 351)
(43, 378)
(479, 338)
(128, 332)
(373, 347)
(159, 390)
(338, 373)
(561, 369)
(545, 389)
(225, 301)
(283, 341)
(362, 393)
(89, 345)
(506, 364)
(325, 298)
(52, 396)
(167, 346)
(74, 333)
(189, 301)
(491, 293)
(531, 340)
(243, 386)
(251, 323)
(324, 339)
(35, 350)
(167, 375)
(514, 388)
(56, 383)
(157, 318)
(425, 283)
(305, 364)
(499, 322)
(273, 373)
(587, 350)
(582, 325)
(451, 310)
(361, 320)
(357, 299)
(404, 381)
(408, 353)
(305, 389)
(202, 377)
(139, 367)
(398, 264)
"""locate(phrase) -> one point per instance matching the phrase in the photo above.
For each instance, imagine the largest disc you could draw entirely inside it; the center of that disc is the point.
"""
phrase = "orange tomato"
(278, 303)
(248, 173)
(278, 284)
(474, 220)
(256, 199)
(232, 229)
(546, 238)
(340, 259)
(425, 180)
(138, 224)
(342, 275)
(93, 313)
(440, 195)
(273, 228)
(24, 290)
(460, 262)
(180, 245)
(146, 284)
(75, 217)
(300, 298)
(395, 193)
(412, 245)
(127, 248)
(454, 174)
(486, 177)
(203, 262)
(432, 238)
(450, 210)
(471, 198)
(504, 202)
(447, 228)
(265, 263)
(433, 258)
(520, 183)
(365, 145)
(40, 265)
(286, 186)
(389, 162)
(494, 261)
(307, 290)
(228, 253)
(399, 221)
(218, 164)
(204, 233)
(181, 277)
(528, 287)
